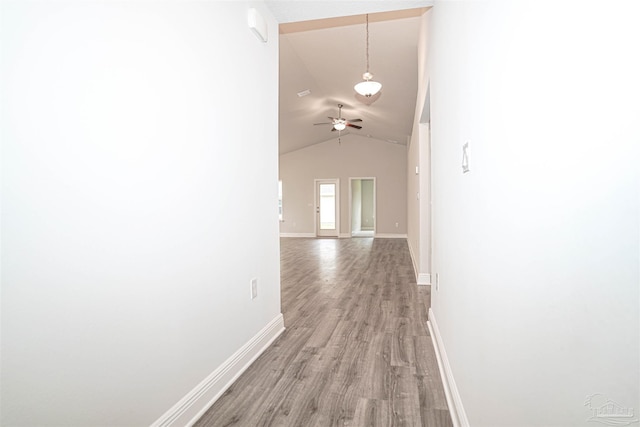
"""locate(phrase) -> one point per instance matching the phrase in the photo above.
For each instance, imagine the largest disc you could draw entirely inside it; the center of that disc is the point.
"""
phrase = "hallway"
(356, 350)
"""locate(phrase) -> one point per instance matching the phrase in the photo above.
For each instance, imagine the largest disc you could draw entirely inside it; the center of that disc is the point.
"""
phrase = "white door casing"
(327, 207)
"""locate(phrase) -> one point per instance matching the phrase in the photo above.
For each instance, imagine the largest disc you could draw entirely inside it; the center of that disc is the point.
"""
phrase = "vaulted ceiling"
(326, 57)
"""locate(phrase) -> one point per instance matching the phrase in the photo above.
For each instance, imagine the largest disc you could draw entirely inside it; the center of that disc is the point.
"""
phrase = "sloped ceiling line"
(327, 57)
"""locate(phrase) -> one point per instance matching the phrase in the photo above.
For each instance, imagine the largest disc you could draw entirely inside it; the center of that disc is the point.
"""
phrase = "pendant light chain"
(367, 87)
(367, 42)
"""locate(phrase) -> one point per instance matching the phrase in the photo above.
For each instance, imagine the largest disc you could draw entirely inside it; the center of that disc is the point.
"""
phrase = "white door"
(327, 207)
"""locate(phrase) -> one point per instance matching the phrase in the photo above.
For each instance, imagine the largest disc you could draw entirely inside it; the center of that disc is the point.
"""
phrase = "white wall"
(419, 169)
(125, 212)
(355, 156)
(537, 246)
(413, 201)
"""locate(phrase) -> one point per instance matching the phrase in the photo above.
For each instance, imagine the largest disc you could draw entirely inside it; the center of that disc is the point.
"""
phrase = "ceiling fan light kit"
(340, 123)
(367, 87)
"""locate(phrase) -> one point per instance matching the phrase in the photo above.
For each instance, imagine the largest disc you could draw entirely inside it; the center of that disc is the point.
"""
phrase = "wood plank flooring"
(356, 351)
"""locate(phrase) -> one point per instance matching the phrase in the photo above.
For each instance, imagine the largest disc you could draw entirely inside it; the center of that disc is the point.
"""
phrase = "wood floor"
(356, 351)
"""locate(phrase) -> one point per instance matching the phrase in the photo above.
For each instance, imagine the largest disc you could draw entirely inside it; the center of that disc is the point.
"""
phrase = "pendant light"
(368, 87)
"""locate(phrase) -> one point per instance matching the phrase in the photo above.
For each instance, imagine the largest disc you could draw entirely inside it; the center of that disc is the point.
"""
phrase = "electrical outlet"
(396, 225)
(254, 288)
(437, 282)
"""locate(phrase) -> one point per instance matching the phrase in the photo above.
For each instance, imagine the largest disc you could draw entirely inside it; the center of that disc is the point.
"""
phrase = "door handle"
(317, 209)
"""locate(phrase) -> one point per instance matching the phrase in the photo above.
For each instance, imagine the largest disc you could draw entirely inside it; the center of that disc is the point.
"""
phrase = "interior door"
(327, 207)
(362, 206)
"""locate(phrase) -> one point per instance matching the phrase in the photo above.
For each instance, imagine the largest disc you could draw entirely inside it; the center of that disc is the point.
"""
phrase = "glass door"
(327, 212)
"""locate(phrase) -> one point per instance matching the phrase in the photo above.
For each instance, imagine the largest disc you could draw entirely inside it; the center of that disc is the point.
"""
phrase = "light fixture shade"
(368, 88)
(340, 125)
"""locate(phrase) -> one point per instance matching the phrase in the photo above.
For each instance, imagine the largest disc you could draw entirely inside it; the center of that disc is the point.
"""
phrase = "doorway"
(362, 206)
(327, 207)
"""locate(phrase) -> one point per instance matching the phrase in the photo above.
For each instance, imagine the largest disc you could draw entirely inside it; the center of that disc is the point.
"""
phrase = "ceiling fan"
(340, 123)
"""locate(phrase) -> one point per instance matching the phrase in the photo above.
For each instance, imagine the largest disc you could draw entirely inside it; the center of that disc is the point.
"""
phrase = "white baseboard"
(192, 406)
(297, 235)
(458, 415)
(347, 235)
(390, 236)
(424, 279)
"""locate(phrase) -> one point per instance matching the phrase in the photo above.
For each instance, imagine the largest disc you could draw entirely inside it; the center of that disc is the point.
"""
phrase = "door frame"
(375, 206)
(316, 204)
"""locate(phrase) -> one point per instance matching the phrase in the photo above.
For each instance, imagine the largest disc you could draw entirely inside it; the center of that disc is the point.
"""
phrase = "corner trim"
(458, 415)
(413, 261)
(424, 279)
(192, 406)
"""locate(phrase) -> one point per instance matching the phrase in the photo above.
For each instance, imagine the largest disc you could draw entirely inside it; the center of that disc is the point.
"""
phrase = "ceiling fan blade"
(354, 120)
(354, 126)
(333, 129)
(323, 123)
(331, 118)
